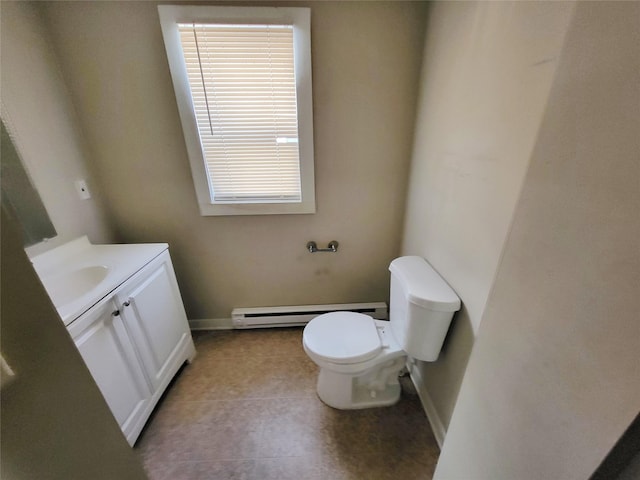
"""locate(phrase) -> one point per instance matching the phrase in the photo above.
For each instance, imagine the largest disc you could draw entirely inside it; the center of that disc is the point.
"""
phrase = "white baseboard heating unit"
(263, 317)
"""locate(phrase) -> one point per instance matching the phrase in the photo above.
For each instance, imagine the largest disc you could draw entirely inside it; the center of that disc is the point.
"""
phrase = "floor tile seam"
(242, 362)
(322, 457)
(255, 458)
(209, 461)
(316, 457)
(244, 356)
(245, 398)
(244, 343)
(242, 396)
(288, 397)
(179, 403)
(204, 426)
(169, 433)
(218, 459)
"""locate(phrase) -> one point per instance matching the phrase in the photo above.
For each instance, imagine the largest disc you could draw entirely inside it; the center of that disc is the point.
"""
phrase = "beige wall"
(552, 382)
(40, 117)
(55, 423)
(366, 61)
(487, 71)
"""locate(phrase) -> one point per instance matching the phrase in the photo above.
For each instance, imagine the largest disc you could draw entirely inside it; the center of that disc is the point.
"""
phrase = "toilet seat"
(342, 337)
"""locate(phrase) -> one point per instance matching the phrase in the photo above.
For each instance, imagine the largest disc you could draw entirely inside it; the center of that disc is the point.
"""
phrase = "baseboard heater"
(264, 317)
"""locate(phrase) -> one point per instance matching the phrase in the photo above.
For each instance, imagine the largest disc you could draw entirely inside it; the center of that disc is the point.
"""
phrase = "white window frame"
(170, 17)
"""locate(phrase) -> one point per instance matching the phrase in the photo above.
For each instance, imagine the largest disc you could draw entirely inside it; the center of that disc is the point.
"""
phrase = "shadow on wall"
(623, 461)
(54, 421)
(442, 378)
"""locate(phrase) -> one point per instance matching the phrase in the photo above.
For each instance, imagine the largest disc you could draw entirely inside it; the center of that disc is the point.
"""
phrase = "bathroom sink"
(68, 286)
(78, 274)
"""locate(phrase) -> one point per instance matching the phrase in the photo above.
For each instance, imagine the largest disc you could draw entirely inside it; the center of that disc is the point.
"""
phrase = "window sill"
(208, 209)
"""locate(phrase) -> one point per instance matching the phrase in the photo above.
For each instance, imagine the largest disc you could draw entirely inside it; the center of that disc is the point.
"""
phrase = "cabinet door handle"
(127, 303)
(115, 313)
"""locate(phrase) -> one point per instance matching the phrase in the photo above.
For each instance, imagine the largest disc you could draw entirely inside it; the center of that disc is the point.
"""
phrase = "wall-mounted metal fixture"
(313, 247)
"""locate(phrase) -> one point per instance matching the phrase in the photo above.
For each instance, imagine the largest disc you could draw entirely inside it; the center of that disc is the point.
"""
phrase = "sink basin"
(68, 286)
(78, 274)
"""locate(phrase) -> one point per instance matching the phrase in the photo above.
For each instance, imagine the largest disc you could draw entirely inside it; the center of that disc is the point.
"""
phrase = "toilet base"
(377, 387)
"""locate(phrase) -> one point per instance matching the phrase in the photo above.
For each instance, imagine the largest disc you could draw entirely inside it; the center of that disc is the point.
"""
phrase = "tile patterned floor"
(246, 409)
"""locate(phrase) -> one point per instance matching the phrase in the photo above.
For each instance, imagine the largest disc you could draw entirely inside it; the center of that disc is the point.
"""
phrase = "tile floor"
(246, 408)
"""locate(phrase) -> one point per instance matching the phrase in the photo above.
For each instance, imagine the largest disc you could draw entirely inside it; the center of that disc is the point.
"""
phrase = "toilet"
(360, 358)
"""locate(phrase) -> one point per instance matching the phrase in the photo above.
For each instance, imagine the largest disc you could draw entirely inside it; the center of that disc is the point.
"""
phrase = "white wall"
(486, 75)
(552, 382)
(42, 121)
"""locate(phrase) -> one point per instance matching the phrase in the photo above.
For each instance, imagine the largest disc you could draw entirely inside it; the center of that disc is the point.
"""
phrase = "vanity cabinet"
(107, 351)
(152, 311)
(134, 341)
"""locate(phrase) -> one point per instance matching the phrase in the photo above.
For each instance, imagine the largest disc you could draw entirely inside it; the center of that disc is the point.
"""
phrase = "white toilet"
(360, 358)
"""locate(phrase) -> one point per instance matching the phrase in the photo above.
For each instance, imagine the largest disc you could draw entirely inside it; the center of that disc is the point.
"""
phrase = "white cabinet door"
(153, 314)
(108, 352)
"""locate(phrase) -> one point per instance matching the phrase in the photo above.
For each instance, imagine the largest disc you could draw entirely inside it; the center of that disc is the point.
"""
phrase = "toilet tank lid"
(423, 286)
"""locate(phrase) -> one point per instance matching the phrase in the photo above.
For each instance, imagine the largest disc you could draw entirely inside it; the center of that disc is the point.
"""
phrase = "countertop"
(57, 266)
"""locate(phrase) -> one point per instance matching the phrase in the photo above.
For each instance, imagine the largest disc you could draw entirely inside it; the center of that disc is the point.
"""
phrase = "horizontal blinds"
(244, 97)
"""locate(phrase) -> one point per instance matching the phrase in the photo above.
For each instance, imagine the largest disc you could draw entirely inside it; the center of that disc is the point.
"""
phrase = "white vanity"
(123, 309)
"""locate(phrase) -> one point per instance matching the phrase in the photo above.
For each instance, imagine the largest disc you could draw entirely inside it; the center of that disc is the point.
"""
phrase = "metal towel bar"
(313, 247)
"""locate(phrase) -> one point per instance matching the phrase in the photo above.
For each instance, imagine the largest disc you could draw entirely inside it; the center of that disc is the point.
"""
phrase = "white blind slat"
(243, 90)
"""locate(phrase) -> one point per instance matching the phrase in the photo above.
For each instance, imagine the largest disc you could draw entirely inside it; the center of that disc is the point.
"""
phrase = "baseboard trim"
(427, 404)
(211, 324)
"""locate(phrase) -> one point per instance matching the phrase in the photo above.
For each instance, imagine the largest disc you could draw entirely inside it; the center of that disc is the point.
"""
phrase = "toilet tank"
(422, 306)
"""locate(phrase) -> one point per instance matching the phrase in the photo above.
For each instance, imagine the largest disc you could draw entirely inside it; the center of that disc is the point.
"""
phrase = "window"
(242, 78)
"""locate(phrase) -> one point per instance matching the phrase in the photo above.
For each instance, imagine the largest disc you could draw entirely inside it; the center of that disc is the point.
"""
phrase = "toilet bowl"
(360, 358)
